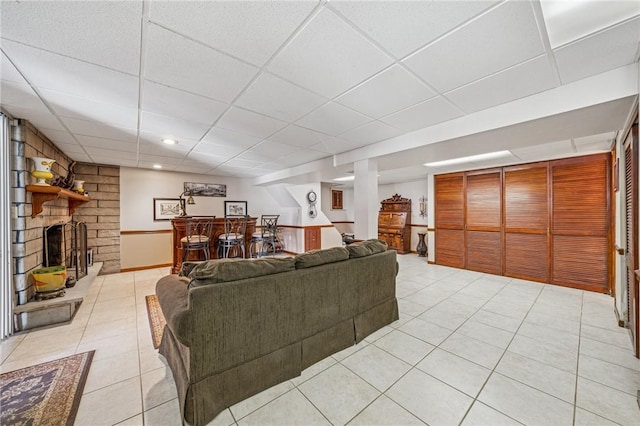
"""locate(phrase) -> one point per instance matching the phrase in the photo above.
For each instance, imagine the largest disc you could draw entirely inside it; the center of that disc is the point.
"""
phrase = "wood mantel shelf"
(42, 194)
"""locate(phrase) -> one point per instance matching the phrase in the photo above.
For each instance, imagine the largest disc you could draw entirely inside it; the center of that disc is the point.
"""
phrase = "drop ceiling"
(298, 90)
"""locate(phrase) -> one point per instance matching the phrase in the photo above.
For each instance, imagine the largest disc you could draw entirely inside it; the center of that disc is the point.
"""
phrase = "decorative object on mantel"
(422, 245)
(68, 181)
(50, 282)
(78, 186)
(42, 170)
(44, 394)
(423, 206)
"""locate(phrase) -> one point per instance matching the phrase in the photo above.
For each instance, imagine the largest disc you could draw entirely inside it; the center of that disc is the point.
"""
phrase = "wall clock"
(312, 197)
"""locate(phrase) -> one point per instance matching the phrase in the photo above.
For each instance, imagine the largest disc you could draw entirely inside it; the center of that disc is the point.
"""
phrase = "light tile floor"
(469, 348)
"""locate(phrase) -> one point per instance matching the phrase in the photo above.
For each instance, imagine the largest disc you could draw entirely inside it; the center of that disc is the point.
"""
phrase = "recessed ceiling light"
(157, 166)
(344, 179)
(170, 141)
(479, 157)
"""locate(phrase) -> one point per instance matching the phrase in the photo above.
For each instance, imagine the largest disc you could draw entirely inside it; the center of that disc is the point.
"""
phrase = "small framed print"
(165, 208)
(235, 208)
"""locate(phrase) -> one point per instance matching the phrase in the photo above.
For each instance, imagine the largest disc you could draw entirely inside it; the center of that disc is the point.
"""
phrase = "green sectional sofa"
(237, 327)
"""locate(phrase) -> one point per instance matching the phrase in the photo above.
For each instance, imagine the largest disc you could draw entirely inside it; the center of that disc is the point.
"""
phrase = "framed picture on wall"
(235, 207)
(206, 189)
(165, 208)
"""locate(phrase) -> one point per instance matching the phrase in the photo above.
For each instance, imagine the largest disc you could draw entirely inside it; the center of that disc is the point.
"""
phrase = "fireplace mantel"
(42, 194)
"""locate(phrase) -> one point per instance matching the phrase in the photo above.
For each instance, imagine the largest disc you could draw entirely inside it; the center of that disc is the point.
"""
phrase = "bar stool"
(198, 236)
(233, 237)
(267, 236)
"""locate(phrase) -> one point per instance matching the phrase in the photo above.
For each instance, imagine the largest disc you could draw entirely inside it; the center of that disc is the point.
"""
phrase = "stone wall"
(27, 232)
(102, 213)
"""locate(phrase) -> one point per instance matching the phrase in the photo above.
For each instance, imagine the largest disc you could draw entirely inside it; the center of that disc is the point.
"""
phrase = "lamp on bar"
(190, 200)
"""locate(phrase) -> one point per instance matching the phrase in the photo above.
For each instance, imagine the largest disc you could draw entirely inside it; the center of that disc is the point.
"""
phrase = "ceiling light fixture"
(170, 141)
(157, 166)
(344, 179)
(479, 157)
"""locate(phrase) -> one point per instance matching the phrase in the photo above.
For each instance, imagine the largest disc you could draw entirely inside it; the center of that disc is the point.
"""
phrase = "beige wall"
(145, 250)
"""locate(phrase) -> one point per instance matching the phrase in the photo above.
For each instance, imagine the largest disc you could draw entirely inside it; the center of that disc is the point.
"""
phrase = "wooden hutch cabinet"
(394, 223)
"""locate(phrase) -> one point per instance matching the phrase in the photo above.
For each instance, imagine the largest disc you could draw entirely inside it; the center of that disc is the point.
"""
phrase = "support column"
(365, 197)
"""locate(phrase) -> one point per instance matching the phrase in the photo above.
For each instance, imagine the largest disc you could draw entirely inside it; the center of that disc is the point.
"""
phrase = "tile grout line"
(575, 390)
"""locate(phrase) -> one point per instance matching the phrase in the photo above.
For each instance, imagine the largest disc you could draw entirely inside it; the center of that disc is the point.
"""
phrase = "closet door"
(580, 219)
(484, 221)
(449, 219)
(526, 222)
(631, 234)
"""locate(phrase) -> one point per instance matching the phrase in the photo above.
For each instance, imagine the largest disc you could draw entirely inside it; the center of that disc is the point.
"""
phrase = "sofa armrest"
(173, 296)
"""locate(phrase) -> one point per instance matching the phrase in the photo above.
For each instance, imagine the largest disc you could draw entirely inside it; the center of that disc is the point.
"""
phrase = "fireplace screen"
(66, 244)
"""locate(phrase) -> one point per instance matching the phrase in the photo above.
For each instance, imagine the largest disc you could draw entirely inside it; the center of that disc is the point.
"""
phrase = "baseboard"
(142, 268)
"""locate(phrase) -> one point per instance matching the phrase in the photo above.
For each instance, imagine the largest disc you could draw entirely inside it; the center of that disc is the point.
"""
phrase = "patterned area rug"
(156, 319)
(44, 394)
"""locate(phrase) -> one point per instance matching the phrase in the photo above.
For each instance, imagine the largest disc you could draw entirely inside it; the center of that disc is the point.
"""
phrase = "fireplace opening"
(65, 244)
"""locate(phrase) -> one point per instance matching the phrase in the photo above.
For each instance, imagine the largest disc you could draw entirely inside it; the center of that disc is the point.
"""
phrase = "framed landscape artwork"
(205, 189)
(165, 208)
(235, 207)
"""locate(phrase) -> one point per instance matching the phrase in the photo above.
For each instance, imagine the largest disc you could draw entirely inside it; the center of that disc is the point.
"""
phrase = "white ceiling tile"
(70, 148)
(182, 145)
(569, 21)
(386, 93)
(514, 83)
(328, 57)
(41, 119)
(102, 32)
(371, 132)
(547, 150)
(601, 52)
(97, 129)
(298, 136)
(165, 100)
(106, 151)
(228, 138)
(222, 151)
(423, 115)
(81, 157)
(59, 136)
(203, 159)
(204, 169)
(249, 123)
(334, 146)
(176, 61)
(111, 144)
(268, 150)
(480, 48)
(161, 151)
(239, 162)
(152, 164)
(62, 74)
(8, 72)
(86, 109)
(110, 160)
(21, 95)
(302, 157)
(292, 101)
(333, 119)
(252, 31)
(603, 137)
(160, 159)
(403, 26)
(171, 127)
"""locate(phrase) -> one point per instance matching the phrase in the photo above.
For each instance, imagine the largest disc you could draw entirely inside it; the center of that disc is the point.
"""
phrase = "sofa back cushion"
(366, 248)
(320, 257)
(225, 270)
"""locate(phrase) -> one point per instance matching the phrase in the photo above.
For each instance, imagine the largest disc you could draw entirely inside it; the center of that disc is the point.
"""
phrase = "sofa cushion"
(225, 270)
(320, 257)
(366, 248)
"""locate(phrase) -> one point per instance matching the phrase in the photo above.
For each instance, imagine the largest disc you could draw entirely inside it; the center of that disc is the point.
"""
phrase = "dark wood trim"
(142, 268)
(145, 232)
(342, 221)
(305, 227)
(619, 250)
(615, 311)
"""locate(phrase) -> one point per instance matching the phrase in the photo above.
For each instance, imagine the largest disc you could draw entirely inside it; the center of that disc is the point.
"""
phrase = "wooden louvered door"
(526, 222)
(484, 221)
(580, 217)
(449, 220)
(631, 232)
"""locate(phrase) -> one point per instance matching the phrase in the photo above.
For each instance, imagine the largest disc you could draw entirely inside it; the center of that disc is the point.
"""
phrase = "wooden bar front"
(179, 225)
